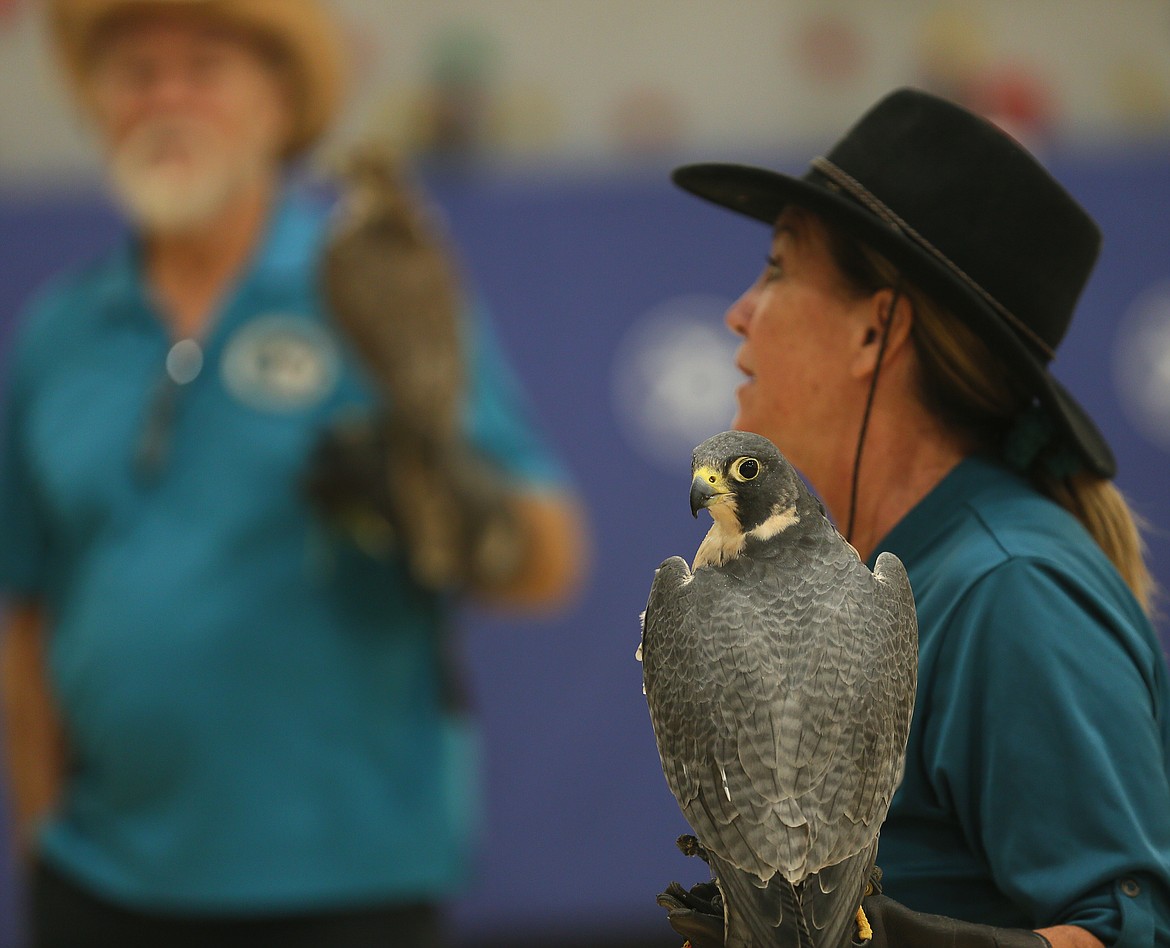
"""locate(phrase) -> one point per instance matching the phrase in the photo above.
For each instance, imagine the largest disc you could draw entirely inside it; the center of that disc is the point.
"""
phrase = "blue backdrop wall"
(607, 290)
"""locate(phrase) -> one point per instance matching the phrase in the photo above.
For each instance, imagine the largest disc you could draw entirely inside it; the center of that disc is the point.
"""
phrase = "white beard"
(172, 175)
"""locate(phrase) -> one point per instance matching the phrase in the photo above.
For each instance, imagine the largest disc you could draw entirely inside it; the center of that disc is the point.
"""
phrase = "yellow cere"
(713, 477)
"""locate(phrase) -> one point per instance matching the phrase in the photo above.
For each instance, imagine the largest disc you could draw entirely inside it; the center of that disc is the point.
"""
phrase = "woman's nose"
(739, 316)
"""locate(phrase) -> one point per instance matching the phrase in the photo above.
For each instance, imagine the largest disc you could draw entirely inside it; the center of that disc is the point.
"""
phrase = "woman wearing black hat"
(896, 348)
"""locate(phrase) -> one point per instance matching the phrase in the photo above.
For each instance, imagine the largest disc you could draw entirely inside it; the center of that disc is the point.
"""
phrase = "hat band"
(856, 189)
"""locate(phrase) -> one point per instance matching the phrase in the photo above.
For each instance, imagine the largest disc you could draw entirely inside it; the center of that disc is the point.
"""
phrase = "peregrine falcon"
(780, 675)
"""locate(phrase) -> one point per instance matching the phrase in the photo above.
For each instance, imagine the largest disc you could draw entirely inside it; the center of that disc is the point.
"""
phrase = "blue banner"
(609, 292)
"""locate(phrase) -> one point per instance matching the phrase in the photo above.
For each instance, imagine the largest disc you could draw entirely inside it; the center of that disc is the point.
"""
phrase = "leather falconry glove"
(442, 506)
(697, 915)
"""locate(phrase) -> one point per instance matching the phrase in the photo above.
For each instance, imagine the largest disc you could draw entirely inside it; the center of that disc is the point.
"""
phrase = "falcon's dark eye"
(747, 469)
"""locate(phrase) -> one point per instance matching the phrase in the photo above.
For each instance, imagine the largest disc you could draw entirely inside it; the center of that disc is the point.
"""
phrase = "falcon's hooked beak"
(708, 487)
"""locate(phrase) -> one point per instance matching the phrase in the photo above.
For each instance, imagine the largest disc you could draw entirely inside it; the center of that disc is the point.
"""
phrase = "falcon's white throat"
(725, 540)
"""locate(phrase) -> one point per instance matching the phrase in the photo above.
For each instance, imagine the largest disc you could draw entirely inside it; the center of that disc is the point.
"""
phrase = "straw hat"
(964, 210)
(302, 28)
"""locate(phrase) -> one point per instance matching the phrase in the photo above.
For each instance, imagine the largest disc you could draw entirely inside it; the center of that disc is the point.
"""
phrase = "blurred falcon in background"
(780, 675)
(393, 290)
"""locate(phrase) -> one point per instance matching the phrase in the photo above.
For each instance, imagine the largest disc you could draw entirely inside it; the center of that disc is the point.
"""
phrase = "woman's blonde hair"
(974, 392)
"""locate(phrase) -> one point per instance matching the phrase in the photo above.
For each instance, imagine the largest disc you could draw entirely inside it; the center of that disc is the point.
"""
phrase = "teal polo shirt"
(255, 709)
(1037, 786)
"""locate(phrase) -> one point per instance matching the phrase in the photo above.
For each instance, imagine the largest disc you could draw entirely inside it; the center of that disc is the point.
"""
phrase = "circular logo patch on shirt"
(280, 363)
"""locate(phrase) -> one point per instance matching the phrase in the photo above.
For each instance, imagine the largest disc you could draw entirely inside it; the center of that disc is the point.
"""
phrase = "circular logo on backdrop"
(674, 379)
(280, 363)
(1141, 364)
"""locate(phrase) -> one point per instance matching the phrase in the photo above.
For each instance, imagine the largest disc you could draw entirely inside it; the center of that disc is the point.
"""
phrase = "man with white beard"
(228, 724)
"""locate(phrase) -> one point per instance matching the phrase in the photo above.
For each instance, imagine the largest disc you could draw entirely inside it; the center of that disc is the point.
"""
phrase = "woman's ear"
(883, 331)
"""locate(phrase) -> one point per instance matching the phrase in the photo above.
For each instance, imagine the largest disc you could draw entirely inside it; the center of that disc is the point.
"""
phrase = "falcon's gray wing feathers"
(683, 725)
(758, 774)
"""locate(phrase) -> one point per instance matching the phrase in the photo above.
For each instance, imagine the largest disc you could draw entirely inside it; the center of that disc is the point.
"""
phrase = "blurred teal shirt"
(257, 712)
(1037, 789)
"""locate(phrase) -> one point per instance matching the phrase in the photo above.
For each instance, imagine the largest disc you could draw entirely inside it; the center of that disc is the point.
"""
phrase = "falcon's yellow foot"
(864, 929)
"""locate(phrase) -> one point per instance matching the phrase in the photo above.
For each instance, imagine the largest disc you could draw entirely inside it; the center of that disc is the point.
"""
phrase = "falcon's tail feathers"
(762, 917)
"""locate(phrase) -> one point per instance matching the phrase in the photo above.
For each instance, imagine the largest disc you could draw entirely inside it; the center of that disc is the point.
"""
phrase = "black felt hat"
(966, 213)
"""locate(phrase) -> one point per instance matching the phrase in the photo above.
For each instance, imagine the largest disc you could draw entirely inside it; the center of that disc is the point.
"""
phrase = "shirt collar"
(940, 509)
